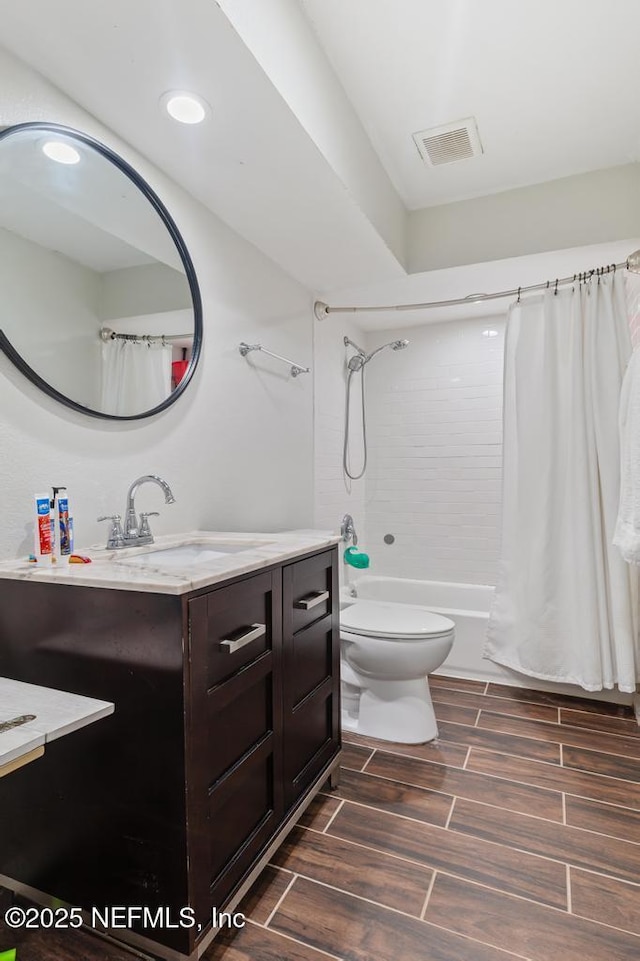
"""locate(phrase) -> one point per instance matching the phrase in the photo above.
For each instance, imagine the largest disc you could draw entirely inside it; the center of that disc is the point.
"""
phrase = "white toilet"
(386, 652)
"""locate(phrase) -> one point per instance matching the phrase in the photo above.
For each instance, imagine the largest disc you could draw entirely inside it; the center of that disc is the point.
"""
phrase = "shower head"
(394, 345)
(357, 361)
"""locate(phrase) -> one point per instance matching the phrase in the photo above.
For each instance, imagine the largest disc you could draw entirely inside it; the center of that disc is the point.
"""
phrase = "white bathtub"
(466, 604)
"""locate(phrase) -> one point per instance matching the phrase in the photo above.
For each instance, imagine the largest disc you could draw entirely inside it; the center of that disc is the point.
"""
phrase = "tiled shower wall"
(435, 452)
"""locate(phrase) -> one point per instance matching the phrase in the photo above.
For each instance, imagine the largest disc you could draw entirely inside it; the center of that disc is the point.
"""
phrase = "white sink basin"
(191, 555)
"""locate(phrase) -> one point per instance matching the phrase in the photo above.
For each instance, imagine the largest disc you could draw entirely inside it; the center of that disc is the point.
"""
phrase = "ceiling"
(550, 84)
(308, 152)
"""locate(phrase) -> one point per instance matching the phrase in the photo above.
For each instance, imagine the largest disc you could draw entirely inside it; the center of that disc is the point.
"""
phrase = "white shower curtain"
(136, 376)
(566, 604)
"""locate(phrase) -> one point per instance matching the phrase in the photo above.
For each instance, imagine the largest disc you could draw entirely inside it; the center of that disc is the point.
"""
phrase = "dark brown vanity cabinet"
(311, 665)
(226, 723)
(235, 717)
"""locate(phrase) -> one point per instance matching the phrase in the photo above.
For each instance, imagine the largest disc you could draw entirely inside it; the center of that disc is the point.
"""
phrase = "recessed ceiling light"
(185, 107)
(489, 333)
(62, 153)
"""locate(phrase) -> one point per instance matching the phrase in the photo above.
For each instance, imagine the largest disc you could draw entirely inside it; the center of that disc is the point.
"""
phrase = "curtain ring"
(555, 292)
(548, 282)
(518, 300)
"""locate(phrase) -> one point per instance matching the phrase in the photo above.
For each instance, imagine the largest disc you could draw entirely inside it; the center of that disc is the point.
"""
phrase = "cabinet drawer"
(310, 740)
(243, 812)
(312, 590)
(309, 660)
(239, 626)
(239, 714)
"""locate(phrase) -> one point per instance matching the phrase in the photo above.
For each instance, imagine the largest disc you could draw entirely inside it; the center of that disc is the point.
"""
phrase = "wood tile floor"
(516, 835)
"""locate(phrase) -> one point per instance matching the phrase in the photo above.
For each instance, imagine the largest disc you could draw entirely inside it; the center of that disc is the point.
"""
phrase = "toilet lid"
(386, 619)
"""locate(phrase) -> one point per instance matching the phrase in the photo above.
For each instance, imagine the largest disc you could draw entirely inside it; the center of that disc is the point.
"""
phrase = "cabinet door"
(311, 669)
(234, 737)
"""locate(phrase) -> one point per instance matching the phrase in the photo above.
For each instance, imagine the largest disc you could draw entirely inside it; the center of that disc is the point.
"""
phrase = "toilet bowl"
(386, 652)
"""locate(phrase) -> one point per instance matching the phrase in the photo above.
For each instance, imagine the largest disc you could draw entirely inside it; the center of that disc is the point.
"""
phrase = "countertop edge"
(114, 571)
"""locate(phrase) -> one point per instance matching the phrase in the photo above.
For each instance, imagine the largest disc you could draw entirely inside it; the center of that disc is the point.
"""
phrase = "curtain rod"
(632, 263)
(107, 334)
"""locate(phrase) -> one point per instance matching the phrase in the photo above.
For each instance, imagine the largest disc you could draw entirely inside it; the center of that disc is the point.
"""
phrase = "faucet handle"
(115, 537)
(145, 530)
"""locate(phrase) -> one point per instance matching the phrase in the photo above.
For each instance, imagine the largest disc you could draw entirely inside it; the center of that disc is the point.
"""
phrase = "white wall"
(49, 310)
(283, 41)
(435, 461)
(592, 208)
(147, 289)
(236, 448)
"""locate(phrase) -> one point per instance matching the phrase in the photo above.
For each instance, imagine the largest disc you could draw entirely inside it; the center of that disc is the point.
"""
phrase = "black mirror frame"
(185, 257)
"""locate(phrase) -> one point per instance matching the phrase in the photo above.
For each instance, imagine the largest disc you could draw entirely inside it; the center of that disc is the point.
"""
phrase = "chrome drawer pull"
(312, 600)
(257, 630)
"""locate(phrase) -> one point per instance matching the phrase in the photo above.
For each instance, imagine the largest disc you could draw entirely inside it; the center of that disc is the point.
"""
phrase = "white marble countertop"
(120, 569)
(56, 713)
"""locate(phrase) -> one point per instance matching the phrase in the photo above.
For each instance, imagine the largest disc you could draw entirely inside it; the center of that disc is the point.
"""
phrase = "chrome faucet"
(348, 530)
(136, 533)
(139, 534)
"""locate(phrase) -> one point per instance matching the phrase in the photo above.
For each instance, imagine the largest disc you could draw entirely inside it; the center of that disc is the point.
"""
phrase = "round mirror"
(100, 306)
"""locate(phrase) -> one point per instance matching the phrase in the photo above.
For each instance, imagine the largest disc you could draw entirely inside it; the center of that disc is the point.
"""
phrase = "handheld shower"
(357, 362)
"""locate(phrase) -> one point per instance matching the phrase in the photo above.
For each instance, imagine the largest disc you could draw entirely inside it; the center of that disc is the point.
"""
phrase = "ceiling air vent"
(449, 143)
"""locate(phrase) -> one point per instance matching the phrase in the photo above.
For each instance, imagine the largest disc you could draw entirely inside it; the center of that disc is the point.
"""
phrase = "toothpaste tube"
(63, 525)
(43, 538)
